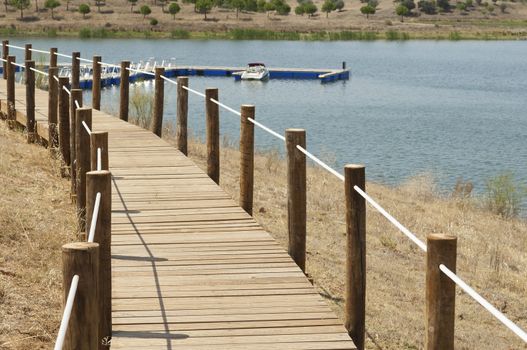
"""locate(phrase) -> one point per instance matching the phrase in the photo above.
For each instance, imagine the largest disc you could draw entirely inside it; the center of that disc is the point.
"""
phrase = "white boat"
(255, 71)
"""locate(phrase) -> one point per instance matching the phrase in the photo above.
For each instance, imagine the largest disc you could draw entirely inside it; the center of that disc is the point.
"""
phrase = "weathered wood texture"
(440, 292)
(76, 96)
(182, 115)
(212, 116)
(82, 149)
(247, 158)
(190, 268)
(124, 90)
(53, 58)
(5, 53)
(75, 70)
(355, 293)
(296, 196)
(27, 52)
(64, 120)
(101, 182)
(159, 97)
(99, 139)
(96, 83)
(82, 259)
(30, 101)
(53, 107)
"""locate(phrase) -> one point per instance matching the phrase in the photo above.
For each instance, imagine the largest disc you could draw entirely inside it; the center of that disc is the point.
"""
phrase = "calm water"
(457, 109)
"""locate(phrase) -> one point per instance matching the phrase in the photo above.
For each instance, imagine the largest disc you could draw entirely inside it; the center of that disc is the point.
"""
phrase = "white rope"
(67, 313)
(16, 47)
(390, 218)
(319, 162)
(141, 71)
(56, 78)
(169, 80)
(94, 217)
(18, 65)
(84, 59)
(62, 55)
(86, 127)
(39, 71)
(77, 104)
(226, 107)
(99, 159)
(39, 51)
(66, 89)
(3, 60)
(193, 91)
(263, 127)
(483, 302)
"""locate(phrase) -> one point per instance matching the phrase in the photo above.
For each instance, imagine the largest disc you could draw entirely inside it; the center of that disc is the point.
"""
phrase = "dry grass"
(36, 218)
(492, 253)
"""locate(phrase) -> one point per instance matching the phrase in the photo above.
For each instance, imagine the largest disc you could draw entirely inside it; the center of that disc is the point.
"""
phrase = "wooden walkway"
(190, 269)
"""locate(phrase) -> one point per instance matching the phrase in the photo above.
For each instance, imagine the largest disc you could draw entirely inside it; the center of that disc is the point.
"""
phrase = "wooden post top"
(294, 130)
(354, 166)
(83, 246)
(99, 173)
(441, 237)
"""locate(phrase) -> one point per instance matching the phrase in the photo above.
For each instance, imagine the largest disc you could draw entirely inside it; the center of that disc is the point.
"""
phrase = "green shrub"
(454, 36)
(179, 34)
(85, 33)
(503, 195)
(84, 9)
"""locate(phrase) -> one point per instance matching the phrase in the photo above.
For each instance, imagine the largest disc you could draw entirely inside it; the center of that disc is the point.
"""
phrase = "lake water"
(456, 109)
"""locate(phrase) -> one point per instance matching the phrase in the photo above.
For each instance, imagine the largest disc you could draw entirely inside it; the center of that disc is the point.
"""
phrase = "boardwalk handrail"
(94, 217)
(59, 342)
(441, 267)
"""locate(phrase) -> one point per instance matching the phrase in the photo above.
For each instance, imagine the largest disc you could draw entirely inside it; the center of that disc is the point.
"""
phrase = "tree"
(84, 9)
(310, 9)
(269, 7)
(204, 7)
(173, 9)
(402, 11)
(154, 22)
(461, 6)
(251, 5)
(145, 11)
(443, 4)
(368, 10)
(281, 7)
(133, 2)
(328, 6)
(52, 4)
(339, 5)
(238, 5)
(299, 10)
(261, 5)
(20, 5)
(427, 6)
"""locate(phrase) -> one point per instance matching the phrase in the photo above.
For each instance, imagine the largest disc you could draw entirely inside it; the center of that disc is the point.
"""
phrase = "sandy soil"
(116, 16)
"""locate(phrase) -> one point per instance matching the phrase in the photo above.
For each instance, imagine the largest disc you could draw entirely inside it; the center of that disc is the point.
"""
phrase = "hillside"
(467, 19)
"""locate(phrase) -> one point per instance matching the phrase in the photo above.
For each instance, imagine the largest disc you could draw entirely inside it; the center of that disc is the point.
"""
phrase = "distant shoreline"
(264, 34)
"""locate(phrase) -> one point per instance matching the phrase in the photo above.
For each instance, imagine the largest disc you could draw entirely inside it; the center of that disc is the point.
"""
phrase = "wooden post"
(247, 158)
(157, 118)
(182, 115)
(5, 53)
(30, 101)
(11, 113)
(100, 182)
(355, 294)
(75, 70)
(82, 259)
(82, 150)
(76, 95)
(99, 140)
(52, 107)
(296, 196)
(96, 83)
(28, 52)
(53, 57)
(64, 121)
(124, 86)
(440, 292)
(213, 134)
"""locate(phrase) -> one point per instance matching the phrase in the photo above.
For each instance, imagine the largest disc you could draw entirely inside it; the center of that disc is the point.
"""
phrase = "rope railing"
(77, 104)
(39, 72)
(194, 91)
(67, 313)
(39, 51)
(66, 89)
(99, 158)
(18, 65)
(15, 47)
(86, 127)
(95, 215)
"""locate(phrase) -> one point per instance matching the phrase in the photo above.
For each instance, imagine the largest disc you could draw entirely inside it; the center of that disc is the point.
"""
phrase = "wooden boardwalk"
(191, 269)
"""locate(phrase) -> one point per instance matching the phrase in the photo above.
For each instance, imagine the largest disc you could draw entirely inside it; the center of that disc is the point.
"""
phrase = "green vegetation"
(52, 5)
(84, 9)
(19, 5)
(368, 10)
(96, 33)
(402, 11)
(395, 35)
(328, 6)
(204, 7)
(503, 195)
(145, 11)
(174, 9)
(154, 22)
(179, 34)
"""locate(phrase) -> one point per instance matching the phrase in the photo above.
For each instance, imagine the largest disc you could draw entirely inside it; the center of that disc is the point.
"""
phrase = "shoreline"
(264, 34)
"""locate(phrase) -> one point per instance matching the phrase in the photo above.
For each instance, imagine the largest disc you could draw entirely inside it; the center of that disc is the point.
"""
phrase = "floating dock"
(323, 75)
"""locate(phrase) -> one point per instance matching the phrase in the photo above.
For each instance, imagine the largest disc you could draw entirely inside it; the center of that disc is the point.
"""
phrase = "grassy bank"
(491, 251)
(263, 34)
(36, 219)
